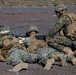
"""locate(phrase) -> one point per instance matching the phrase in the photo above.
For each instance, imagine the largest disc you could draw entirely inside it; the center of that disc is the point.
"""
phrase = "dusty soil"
(35, 69)
(18, 19)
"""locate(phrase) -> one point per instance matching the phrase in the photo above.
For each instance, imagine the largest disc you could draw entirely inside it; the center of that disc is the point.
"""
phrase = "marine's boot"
(61, 58)
(68, 51)
(75, 53)
(20, 66)
(49, 63)
(73, 61)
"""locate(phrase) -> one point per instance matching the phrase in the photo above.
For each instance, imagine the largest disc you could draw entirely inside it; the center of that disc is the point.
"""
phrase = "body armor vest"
(71, 29)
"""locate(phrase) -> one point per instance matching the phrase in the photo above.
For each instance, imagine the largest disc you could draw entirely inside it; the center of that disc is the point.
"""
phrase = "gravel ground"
(18, 19)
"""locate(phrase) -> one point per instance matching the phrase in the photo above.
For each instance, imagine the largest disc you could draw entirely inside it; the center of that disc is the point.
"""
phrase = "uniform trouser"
(61, 42)
(46, 53)
(17, 56)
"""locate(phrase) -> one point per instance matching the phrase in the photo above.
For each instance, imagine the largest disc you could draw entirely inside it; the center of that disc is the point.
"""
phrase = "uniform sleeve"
(65, 20)
(1, 42)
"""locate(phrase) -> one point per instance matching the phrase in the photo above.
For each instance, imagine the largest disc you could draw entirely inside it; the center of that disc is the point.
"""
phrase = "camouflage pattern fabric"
(8, 37)
(61, 42)
(6, 44)
(65, 20)
(60, 7)
(18, 55)
(46, 53)
(33, 28)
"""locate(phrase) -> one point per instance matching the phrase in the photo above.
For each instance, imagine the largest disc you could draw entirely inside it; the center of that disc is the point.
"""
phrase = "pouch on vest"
(7, 44)
(31, 48)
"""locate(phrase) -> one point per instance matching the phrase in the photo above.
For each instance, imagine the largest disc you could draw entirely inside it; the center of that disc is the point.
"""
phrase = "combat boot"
(49, 63)
(73, 61)
(20, 66)
(68, 51)
(61, 58)
(75, 53)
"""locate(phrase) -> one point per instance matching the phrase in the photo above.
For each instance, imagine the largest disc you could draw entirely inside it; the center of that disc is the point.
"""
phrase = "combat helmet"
(4, 30)
(60, 7)
(33, 28)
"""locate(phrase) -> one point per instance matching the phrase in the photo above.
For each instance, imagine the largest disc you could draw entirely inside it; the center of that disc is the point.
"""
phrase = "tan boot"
(75, 53)
(68, 51)
(63, 60)
(49, 63)
(74, 61)
(20, 66)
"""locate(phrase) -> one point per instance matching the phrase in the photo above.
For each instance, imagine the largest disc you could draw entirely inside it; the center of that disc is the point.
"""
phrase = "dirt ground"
(35, 69)
(18, 19)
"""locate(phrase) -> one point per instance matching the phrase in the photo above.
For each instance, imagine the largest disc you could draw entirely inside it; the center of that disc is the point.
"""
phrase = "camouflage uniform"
(5, 42)
(61, 41)
(18, 55)
(41, 55)
(32, 42)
